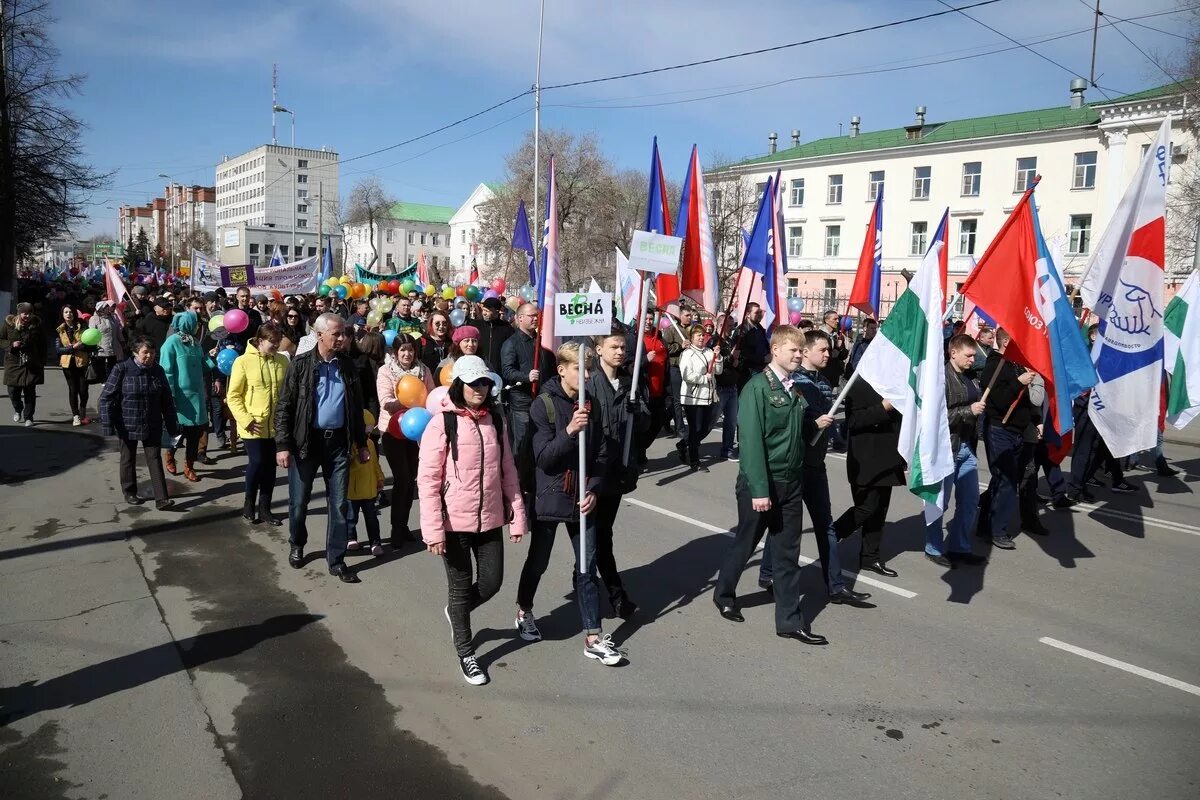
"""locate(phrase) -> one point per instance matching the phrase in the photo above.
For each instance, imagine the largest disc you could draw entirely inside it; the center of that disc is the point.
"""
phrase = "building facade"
(464, 227)
(150, 218)
(189, 209)
(408, 230)
(275, 195)
(977, 169)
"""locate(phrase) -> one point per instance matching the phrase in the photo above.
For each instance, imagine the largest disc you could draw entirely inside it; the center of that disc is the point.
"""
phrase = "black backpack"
(450, 420)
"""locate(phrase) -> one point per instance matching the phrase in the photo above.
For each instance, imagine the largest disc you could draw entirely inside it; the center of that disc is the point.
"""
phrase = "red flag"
(868, 281)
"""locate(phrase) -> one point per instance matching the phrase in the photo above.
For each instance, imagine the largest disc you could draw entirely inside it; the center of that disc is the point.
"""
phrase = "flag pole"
(837, 404)
(644, 301)
(583, 353)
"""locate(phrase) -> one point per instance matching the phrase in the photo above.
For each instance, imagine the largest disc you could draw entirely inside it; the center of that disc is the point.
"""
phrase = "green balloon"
(91, 337)
(324, 290)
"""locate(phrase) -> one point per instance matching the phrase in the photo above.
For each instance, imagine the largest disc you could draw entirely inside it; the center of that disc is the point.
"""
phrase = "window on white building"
(833, 241)
(463, 238)
(714, 200)
(312, 251)
(302, 193)
(1080, 241)
(972, 173)
(919, 241)
(390, 261)
(759, 188)
(254, 248)
(301, 179)
(422, 238)
(462, 262)
(922, 178)
(283, 250)
(302, 163)
(435, 240)
(1026, 170)
(435, 262)
(967, 231)
(1085, 171)
(874, 185)
(301, 223)
(301, 209)
(388, 236)
(254, 261)
(797, 192)
(829, 292)
(834, 196)
(410, 237)
(795, 241)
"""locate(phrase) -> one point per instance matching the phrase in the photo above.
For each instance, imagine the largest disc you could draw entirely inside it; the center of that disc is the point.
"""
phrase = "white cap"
(469, 369)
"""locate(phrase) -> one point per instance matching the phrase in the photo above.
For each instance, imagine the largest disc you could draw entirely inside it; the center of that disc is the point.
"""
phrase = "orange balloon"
(411, 392)
(445, 377)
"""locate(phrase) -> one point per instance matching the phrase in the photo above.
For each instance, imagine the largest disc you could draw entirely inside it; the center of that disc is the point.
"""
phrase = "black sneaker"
(134, 500)
(940, 560)
(1003, 543)
(1063, 502)
(471, 671)
(1124, 487)
(1164, 469)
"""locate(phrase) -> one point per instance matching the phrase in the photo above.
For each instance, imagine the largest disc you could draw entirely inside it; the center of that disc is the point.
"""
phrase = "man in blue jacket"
(556, 422)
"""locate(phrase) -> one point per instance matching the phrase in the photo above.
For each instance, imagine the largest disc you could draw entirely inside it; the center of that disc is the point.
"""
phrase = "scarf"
(397, 372)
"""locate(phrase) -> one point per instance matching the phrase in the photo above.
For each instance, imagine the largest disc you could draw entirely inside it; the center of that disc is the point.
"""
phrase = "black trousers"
(402, 456)
(784, 520)
(658, 418)
(151, 450)
(77, 389)
(869, 512)
(191, 441)
(24, 400)
(606, 563)
(697, 427)
(470, 588)
(260, 472)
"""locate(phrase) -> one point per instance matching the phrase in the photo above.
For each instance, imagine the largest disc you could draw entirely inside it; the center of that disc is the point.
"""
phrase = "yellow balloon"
(430, 291)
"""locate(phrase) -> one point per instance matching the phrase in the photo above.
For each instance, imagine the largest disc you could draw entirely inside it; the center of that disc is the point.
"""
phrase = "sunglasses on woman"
(481, 384)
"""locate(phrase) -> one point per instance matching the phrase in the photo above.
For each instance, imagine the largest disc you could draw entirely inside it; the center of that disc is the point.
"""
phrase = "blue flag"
(521, 240)
(327, 261)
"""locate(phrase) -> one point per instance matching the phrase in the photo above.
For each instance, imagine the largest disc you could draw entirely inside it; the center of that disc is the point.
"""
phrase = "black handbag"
(95, 372)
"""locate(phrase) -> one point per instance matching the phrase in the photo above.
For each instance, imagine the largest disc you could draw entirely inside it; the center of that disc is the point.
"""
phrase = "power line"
(1150, 58)
(776, 48)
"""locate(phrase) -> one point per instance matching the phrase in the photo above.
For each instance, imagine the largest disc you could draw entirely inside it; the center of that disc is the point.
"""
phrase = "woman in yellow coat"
(254, 387)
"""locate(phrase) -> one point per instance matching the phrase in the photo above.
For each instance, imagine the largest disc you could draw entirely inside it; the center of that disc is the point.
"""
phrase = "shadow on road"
(126, 672)
(29, 453)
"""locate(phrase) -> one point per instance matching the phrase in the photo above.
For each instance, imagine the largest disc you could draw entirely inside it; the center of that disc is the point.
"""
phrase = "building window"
(972, 170)
(715, 201)
(254, 261)
(301, 209)
(919, 242)
(1081, 235)
(829, 293)
(435, 240)
(797, 191)
(833, 241)
(967, 230)
(834, 197)
(1085, 171)
(410, 237)
(435, 262)
(795, 241)
(922, 177)
(302, 163)
(759, 188)
(874, 185)
(390, 262)
(464, 236)
(388, 236)
(302, 193)
(301, 223)
(253, 248)
(312, 251)
(1026, 169)
(301, 179)
(462, 262)
(283, 250)
(422, 238)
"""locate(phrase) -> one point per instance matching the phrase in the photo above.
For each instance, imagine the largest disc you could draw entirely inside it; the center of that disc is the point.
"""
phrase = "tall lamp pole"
(280, 109)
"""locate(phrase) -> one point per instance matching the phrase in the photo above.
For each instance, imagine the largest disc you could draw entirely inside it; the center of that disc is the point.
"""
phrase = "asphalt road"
(147, 654)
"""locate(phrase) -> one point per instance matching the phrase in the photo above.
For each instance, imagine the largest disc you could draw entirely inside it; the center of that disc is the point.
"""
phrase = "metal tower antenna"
(274, 99)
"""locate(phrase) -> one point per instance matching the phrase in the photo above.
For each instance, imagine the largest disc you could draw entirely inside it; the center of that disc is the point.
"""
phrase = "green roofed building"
(1086, 152)
(400, 236)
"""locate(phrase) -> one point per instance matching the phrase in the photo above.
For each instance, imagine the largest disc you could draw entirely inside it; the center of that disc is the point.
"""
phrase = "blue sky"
(172, 87)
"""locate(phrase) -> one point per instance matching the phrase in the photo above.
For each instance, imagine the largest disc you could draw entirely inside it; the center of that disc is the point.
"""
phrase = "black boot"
(248, 512)
(265, 515)
(1164, 469)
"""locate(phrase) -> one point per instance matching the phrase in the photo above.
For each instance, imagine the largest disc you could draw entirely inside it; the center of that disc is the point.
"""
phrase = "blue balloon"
(225, 360)
(389, 337)
(413, 423)
(847, 323)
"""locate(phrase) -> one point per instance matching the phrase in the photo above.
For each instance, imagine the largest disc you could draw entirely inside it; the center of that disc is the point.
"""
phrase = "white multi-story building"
(464, 226)
(188, 209)
(275, 195)
(400, 237)
(150, 218)
(1085, 153)
(57, 252)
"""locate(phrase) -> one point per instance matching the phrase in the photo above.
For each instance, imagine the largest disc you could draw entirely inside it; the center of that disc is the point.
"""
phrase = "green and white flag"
(905, 366)
(1181, 354)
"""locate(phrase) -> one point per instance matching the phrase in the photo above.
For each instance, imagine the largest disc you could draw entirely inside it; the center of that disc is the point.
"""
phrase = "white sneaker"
(76, 421)
(603, 651)
(472, 672)
(28, 423)
(376, 550)
(527, 627)
(16, 417)
(352, 544)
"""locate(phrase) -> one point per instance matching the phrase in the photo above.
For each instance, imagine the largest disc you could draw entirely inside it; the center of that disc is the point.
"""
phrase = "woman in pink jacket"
(401, 453)
(469, 490)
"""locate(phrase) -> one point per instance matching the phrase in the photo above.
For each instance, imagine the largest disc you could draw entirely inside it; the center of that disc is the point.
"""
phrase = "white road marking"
(1103, 511)
(1122, 665)
(858, 577)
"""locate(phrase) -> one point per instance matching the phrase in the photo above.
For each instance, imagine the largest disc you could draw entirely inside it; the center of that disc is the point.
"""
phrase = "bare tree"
(369, 205)
(1183, 203)
(733, 200)
(41, 144)
(198, 239)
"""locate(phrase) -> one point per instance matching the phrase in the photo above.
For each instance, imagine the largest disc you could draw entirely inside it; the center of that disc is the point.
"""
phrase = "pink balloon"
(499, 285)
(236, 320)
(664, 323)
(794, 317)
(433, 403)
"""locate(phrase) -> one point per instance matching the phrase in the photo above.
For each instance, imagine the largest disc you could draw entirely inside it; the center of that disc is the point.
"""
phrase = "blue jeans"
(1004, 459)
(541, 543)
(964, 484)
(332, 458)
(260, 471)
(727, 396)
(816, 500)
(369, 513)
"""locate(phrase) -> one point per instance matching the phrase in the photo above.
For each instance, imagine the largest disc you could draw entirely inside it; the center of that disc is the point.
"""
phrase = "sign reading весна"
(579, 314)
(654, 252)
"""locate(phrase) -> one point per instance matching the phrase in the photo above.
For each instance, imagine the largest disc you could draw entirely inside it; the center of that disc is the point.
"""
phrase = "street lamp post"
(280, 109)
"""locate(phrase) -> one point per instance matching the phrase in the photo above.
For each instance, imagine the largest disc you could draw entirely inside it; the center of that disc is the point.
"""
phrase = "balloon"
(345, 279)
(430, 291)
(795, 303)
(324, 290)
(514, 303)
(331, 282)
(411, 392)
(499, 285)
(278, 295)
(407, 286)
(528, 293)
(413, 423)
(236, 321)
(490, 293)
(389, 337)
(473, 294)
(458, 317)
(446, 376)
(460, 302)
(91, 337)
(373, 319)
(386, 305)
(847, 323)
(394, 287)
(664, 322)
(341, 291)
(447, 293)
(225, 360)
(434, 402)
(461, 290)
(216, 321)
(794, 317)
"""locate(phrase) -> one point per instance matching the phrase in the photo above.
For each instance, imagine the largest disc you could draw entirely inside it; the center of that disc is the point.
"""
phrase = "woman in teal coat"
(182, 359)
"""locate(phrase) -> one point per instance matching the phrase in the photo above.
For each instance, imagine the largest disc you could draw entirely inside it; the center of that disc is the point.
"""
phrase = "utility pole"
(320, 226)
(537, 127)
(8, 222)
(1095, 35)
